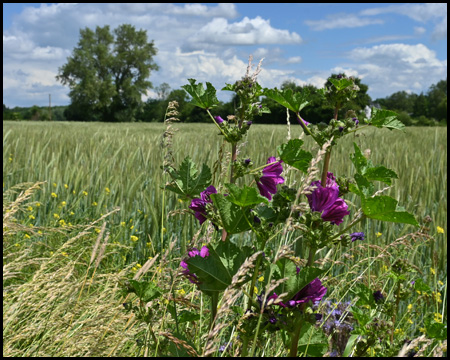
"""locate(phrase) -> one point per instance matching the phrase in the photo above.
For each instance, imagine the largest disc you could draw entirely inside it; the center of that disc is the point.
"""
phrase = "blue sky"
(391, 47)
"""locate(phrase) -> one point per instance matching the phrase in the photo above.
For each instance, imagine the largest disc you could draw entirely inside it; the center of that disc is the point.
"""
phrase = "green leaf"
(312, 341)
(187, 316)
(215, 272)
(205, 99)
(341, 84)
(187, 181)
(385, 119)
(144, 290)
(292, 154)
(359, 160)
(349, 347)
(295, 282)
(233, 216)
(380, 173)
(384, 208)
(248, 196)
(293, 101)
(365, 187)
(365, 296)
(436, 331)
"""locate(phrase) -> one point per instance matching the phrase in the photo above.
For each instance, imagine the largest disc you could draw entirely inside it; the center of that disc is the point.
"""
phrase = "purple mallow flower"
(356, 121)
(199, 204)
(326, 200)
(218, 119)
(267, 184)
(203, 252)
(304, 121)
(378, 296)
(357, 236)
(314, 292)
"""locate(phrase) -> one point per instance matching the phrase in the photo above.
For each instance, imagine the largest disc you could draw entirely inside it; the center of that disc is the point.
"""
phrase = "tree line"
(108, 76)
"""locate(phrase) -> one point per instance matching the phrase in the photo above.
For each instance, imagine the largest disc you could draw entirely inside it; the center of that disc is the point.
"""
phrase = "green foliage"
(187, 181)
(385, 208)
(107, 73)
(215, 272)
(312, 341)
(235, 219)
(385, 119)
(201, 97)
(292, 154)
(294, 101)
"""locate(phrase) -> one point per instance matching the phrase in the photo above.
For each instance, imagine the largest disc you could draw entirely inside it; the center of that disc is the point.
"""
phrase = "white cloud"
(396, 67)
(245, 32)
(339, 21)
(436, 13)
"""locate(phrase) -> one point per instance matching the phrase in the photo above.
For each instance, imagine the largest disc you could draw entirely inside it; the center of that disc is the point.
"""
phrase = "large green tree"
(108, 73)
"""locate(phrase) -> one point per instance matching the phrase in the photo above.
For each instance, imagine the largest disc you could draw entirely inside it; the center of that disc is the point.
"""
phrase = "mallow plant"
(273, 272)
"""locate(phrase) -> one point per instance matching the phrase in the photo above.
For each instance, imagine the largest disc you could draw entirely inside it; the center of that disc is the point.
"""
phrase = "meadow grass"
(60, 300)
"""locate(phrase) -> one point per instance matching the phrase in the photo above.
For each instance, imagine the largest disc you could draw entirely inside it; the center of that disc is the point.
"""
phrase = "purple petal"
(204, 252)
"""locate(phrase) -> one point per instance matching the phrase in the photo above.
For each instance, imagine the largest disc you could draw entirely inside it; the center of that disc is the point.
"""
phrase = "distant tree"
(436, 95)
(421, 106)
(162, 91)
(108, 73)
(399, 101)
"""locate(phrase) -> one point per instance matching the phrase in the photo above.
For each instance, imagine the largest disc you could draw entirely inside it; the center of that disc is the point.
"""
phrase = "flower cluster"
(326, 200)
(203, 252)
(314, 292)
(199, 204)
(267, 183)
(337, 322)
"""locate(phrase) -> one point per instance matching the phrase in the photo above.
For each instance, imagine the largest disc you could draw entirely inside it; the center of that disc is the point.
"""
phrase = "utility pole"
(50, 106)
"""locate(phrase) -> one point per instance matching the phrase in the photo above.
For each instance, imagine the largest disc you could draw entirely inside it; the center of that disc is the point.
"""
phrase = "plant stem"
(295, 337)
(214, 302)
(326, 165)
(397, 301)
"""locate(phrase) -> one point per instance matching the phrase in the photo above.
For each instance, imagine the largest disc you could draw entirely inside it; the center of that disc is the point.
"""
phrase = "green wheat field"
(84, 209)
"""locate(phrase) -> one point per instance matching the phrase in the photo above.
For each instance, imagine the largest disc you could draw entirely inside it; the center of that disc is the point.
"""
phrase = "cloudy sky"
(391, 47)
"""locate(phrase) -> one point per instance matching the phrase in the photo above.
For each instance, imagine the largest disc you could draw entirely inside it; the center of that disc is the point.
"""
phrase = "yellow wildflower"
(85, 193)
(107, 190)
(378, 234)
(31, 217)
(38, 204)
(122, 223)
(261, 279)
(62, 222)
(56, 216)
(440, 230)
(30, 208)
(410, 321)
(54, 185)
(440, 283)
(433, 271)
(54, 195)
(181, 292)
(134, 238)
(94, 203)
(97, 231)
(66, 186)
(71, 213)
(63, 203)
(438, 317)
(27, 236)
(255, 290)
(410, 307)
(17, 245)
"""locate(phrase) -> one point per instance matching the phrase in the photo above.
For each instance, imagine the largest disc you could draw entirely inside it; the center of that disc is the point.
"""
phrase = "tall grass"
(62, 298)
(126, 159)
